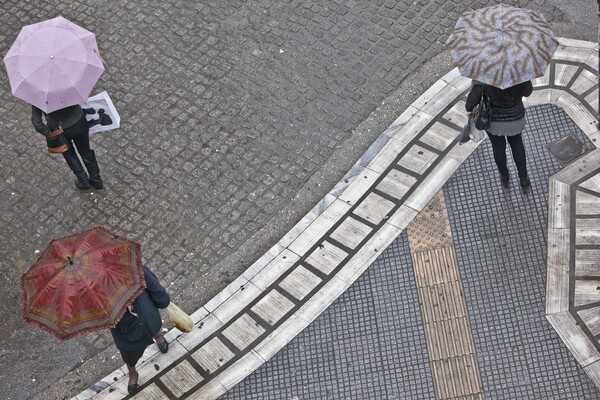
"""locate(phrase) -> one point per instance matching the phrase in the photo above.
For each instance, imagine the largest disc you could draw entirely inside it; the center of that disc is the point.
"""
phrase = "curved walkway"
(284, 291)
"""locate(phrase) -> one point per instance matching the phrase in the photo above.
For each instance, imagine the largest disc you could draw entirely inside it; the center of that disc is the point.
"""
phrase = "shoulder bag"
(483, 114)
(56, 140)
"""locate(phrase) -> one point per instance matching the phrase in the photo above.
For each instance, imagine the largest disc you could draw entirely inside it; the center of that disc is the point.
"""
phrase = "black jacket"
(136, 332)
(507, 104)
(65, 117)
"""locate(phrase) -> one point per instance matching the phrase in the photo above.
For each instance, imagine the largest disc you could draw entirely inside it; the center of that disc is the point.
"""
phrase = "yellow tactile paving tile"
(446, 324)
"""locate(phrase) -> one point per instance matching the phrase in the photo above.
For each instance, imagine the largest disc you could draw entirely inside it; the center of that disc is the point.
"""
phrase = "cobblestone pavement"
(228, 112)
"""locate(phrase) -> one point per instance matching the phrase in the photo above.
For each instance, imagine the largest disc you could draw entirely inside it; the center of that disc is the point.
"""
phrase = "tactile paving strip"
(447, 328)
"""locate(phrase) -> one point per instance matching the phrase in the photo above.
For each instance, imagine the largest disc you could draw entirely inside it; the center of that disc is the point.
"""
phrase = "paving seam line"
(318, 259)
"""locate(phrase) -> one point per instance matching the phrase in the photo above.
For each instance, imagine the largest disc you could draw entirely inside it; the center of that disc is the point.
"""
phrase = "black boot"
(504, 180)
(89, 159)
(81, 181)
(525, 184)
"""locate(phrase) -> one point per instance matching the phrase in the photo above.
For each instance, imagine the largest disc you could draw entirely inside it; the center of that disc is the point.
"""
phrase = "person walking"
(76, 130)
(508, 122)
(140, 326)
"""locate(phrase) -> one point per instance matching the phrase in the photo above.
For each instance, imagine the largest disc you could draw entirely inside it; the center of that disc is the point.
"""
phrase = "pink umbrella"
(53, 64)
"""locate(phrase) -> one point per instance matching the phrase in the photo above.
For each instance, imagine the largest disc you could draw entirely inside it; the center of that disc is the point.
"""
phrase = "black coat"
(506, 104)
(135, 333)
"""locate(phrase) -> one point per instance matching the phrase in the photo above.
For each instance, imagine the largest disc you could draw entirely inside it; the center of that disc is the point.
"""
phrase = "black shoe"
(163, 346)
(89, 111)
(85, 185)
(133, 389)
(99, 185)
(89, 159)
(525, 184)
(504, 180)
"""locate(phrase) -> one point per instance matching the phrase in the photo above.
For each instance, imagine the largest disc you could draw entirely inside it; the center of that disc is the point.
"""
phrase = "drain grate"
(567, 148)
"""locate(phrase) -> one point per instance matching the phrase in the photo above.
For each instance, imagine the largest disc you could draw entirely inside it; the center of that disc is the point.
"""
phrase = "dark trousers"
(78, 137)
(518, 153)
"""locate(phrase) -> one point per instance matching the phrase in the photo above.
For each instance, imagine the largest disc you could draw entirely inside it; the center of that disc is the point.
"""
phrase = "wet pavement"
(478, 256)
(236, 120)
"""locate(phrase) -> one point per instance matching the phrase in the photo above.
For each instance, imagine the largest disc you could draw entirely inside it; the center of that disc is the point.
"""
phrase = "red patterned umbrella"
(82, 283)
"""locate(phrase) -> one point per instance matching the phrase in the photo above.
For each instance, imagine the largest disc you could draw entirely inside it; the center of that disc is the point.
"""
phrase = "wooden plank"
(351, 232)
(587, 262)
(593, 371)
(396, 184)
(586, 292)
(587, 204)
(592, 183)
(272, 307)
(374, 208)
(582, 166)
(243, 331)
(439, 136)
(587, 231)
(559, 205)
(564, 73)
(557, 280)
(181, 378)
(417, 159)
(151, 392)
(326, 257)
(212, 355)
(591, 318)
(432, 183)
(578, 113)
(300, 282)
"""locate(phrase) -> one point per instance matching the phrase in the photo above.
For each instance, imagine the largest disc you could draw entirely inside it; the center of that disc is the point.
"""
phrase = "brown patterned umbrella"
(502, 45)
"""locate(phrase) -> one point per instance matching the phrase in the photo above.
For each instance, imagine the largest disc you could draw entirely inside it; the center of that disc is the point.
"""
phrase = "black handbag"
(57, 142)
(483, 118)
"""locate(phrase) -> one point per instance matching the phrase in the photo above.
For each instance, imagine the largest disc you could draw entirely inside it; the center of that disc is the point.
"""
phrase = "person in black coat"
(508, 121)
(77, 132)
(141, 326)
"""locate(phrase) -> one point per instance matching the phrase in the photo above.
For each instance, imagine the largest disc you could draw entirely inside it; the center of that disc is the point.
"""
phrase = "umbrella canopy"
(82, 283)
(502, 45)
(53, 64)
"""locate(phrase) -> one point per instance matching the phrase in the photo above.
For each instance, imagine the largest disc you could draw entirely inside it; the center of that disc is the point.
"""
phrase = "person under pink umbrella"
(53, 65)
(76, 130)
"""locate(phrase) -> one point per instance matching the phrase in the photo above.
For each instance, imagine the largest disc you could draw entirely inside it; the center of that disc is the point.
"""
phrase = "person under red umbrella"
(94, 280)
(141, 326)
